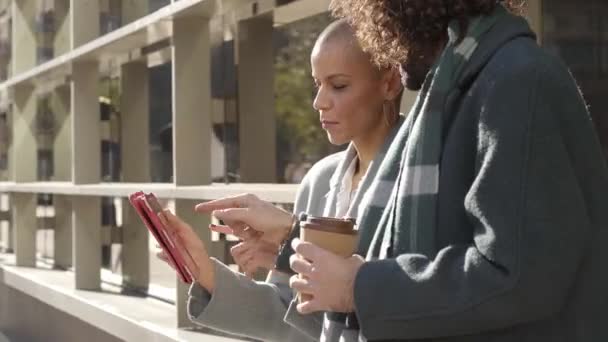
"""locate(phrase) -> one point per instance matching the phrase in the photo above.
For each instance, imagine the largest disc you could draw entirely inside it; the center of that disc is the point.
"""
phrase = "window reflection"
(578, 32)
(161, 134)
(299, 140)
(4, 144)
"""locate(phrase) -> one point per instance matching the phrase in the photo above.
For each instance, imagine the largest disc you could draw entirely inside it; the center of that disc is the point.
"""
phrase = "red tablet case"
(145, 205)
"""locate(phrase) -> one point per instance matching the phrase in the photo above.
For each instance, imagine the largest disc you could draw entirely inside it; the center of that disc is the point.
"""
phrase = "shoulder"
(524, 61)
(324, 168)
(520, 76)
(316, 181)
(321, 172)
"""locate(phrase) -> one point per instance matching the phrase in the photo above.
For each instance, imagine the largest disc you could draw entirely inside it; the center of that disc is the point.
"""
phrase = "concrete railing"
(182, 29)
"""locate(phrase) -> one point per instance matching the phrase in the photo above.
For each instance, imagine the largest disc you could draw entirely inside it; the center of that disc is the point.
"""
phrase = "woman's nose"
(321, 101)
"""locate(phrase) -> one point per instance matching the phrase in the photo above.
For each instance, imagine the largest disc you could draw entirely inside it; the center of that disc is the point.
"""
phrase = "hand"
(248, 211)
(254, 254)
(195, 254)
(244, 233)
(328, 278)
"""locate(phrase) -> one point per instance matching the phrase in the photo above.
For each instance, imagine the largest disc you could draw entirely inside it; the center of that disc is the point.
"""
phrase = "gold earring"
(390, 113)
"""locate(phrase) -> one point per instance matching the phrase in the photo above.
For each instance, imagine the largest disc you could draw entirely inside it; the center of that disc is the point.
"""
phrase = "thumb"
(309, 307)
(221, 229)
(178, 227)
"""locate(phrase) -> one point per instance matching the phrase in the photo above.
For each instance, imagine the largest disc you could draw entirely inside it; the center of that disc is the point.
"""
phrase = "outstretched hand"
(244, 213)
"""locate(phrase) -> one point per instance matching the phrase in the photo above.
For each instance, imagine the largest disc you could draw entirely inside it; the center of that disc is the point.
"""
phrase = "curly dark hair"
(388, 28)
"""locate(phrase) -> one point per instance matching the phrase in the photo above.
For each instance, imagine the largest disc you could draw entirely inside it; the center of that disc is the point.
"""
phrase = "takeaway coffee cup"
(338, 236)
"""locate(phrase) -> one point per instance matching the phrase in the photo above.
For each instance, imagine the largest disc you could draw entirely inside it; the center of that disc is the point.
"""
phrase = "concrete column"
(5, 224)
(62, 160)
(86, 233)
(24, 228)
(5, 228)
(62, 40)
(86, 154)
(135, 116)
(23, 158)
(62, 239)
(23, 36)
(62, 147)
(84, 21)
(5, 135)
(86, 136)
(192, 102)
(200, 223)
(23, 164)
(535, 17)
(257, 121)
(135, 142)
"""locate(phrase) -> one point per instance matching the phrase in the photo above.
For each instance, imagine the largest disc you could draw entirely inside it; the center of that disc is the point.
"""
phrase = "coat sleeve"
(529, 222)
(257, 310)
(243, 307)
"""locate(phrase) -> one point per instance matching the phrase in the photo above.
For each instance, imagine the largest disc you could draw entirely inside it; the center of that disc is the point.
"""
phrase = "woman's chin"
(337, 140)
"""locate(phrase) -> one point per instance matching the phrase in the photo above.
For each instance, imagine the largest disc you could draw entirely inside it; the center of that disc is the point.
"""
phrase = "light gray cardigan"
(264, 310)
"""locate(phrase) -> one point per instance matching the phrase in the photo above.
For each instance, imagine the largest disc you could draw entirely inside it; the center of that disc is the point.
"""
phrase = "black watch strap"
(285, 251)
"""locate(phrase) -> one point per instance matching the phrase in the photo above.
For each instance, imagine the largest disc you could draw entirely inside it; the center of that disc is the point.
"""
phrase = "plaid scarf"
(399, 212)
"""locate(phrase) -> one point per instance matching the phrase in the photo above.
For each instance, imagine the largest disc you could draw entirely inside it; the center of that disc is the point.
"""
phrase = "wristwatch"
(285, 250)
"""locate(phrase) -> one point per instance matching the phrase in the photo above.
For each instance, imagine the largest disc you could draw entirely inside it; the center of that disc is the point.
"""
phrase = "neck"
(367, 146)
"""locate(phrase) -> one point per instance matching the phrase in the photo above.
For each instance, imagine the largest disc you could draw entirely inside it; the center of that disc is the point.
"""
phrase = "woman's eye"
(340, 86)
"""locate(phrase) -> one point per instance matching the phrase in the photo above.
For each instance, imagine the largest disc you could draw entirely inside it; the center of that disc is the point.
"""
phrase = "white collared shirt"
(346, 192)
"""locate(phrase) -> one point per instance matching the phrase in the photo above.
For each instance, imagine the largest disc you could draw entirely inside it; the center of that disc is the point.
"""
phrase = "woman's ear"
(392, 86)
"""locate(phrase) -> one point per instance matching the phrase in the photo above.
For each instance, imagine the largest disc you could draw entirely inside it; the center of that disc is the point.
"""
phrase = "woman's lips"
(328, 124)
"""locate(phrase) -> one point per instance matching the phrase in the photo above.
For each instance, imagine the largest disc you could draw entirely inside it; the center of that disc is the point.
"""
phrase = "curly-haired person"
(498, 219)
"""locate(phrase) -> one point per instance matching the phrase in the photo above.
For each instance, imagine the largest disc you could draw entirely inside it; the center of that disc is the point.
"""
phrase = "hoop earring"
(391, 115)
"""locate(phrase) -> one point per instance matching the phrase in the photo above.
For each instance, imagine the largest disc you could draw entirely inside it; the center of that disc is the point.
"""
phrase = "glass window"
(4, 144)
(250, 81)
(45, 134)
(578, 32)
(110, 15)
(300, 140)
(5, 40)
(115, 13)
(224, 153)
(157, 4)
(161, 128)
